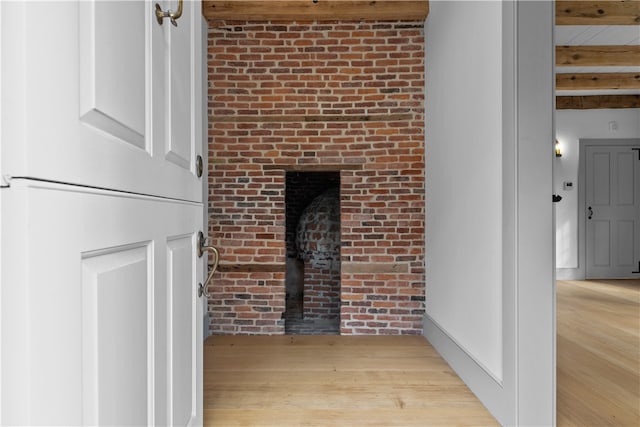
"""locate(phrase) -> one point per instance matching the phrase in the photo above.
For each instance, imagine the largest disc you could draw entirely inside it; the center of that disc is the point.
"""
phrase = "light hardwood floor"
(401, 381)
(598, 353)
(327, 381)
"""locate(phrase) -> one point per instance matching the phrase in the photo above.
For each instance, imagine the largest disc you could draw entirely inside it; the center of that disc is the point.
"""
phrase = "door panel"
(179, 88)
(600, 179)
(116, 288)
(112, 78)
(625, 242)
(625, 186)
(602, 250)
(613, 203)
(110, 323)
(104, 90)
(183, 342)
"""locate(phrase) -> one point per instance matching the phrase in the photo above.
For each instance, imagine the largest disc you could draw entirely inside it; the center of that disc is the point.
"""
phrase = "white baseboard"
(486, 388)
(569, 274)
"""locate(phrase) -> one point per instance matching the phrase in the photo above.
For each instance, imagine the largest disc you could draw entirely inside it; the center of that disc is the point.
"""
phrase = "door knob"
(199, 166)
(173, 16)
(590, 212)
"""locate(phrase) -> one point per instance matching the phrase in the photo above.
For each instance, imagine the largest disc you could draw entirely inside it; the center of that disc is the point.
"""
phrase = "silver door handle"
(590, 212)
(202, 248)
(173, 16)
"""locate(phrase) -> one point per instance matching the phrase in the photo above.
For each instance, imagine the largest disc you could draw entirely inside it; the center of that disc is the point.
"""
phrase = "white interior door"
(106, 91)
(612, 211)
(102, 122)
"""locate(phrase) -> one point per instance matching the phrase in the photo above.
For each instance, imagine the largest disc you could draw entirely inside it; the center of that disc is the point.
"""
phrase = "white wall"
(463, 176)
(571, 126)
(489, 217)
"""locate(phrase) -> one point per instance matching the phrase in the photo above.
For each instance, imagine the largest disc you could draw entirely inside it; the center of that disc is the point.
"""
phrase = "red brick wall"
(321, 293)
(340, 96)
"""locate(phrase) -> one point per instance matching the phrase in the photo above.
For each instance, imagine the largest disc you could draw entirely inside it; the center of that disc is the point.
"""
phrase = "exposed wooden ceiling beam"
(590, 81)
(594, 102)
(587, 56)
(611, 12)
(291, 10)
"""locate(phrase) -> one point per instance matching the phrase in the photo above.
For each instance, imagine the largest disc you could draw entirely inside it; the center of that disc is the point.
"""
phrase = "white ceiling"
(585, 35)
(597, 34)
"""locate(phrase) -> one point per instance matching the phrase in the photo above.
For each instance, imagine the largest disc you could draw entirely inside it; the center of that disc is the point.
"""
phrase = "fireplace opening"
(312, 201)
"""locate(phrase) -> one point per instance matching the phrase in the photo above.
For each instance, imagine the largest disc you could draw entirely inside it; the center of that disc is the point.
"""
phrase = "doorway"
(312, 281)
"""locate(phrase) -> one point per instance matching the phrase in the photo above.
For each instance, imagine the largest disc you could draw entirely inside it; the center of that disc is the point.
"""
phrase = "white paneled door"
(101, 203)
(612, 211)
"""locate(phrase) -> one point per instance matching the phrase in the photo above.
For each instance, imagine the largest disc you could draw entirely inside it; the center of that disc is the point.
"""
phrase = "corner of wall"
(486, 388)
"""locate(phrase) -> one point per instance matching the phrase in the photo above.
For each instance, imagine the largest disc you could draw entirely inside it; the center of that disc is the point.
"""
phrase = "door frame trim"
(580, 273)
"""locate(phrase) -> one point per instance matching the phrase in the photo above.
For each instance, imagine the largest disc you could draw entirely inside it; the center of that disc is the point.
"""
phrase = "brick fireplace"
(341, 101)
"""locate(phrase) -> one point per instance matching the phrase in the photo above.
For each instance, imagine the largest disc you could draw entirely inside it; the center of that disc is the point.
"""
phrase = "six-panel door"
(613, 207)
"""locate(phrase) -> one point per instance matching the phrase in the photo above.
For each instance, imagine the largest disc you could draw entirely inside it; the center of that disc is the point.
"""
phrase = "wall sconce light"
(558, 152)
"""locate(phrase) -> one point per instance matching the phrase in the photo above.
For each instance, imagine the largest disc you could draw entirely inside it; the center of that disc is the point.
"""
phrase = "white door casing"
(612, 210)
(120, 90)
(101, 122)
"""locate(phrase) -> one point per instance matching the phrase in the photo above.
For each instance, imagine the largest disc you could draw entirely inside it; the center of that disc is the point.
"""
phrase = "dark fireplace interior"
(313, 243)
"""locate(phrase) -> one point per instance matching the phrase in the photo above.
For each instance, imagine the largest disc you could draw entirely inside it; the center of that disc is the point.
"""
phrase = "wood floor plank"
(598, 353)
(435, 377)
(314, 340)
(352, 417)
(370, 396)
